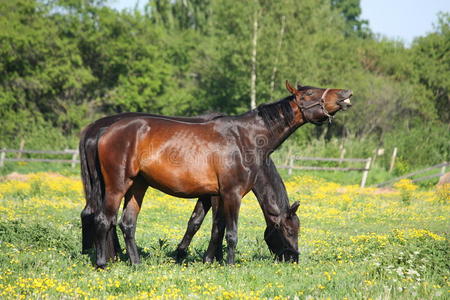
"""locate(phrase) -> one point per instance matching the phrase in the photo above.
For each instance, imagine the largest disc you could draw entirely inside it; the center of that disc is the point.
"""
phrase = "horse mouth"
(289, 256)
(345, 103)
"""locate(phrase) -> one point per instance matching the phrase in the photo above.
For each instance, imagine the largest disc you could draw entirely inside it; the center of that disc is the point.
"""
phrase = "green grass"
(33, 167)
(354, 244)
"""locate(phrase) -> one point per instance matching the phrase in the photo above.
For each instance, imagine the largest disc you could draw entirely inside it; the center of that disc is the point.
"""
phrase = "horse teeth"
(347, 101)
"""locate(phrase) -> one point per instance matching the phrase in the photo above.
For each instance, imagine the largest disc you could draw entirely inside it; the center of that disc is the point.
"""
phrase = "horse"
(281, 233)
(220, 157)
(269, 190)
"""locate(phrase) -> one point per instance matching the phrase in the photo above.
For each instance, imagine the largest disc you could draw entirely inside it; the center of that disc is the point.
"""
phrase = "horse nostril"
(346, 93)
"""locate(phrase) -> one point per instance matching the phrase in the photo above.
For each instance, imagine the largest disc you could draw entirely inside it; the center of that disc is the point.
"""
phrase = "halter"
(320, 102)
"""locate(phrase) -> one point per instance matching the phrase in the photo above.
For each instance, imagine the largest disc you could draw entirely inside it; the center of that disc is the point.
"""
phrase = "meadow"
(355, 244)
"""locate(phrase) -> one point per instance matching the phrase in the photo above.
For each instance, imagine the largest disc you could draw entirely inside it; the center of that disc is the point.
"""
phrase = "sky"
(396, 19)
(403, 19)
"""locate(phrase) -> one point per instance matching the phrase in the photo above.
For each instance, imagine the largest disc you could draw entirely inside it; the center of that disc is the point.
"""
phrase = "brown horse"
(219, 157)
(92, 178)
(269, 190)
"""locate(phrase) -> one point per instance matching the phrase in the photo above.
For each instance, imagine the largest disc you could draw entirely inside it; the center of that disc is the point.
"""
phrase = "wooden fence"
(291, 166)
(441, 172)
(73, 153)
(365, 170)
(74, 160)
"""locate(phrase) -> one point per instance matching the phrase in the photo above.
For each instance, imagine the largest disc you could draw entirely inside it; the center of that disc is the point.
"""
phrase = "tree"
(41, 71)
(431, 56)
(351, 10)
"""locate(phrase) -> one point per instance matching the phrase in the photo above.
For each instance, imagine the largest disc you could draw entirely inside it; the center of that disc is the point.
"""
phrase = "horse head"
(318, 104)
(281, 234)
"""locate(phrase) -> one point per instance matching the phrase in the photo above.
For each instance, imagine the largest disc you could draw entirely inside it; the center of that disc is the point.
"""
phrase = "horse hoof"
(219, 257)
(208, 260)
(100, 265)
(181, 254)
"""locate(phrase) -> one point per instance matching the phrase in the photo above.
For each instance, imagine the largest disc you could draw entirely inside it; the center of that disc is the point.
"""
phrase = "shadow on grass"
(164, 252)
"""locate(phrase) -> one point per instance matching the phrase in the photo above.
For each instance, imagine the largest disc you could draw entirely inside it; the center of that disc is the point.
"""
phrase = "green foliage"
(65, 63)
(351, 10)
(432, 60)
(424, 143)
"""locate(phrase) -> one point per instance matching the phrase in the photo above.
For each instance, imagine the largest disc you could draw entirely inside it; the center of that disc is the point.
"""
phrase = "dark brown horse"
(269, 190)
(219, 157)
(281, 234)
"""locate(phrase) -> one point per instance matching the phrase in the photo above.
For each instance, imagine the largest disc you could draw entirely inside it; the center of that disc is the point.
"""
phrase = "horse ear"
(290, 88)
(293, 208)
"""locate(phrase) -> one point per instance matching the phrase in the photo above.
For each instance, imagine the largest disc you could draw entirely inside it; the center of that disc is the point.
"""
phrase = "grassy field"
(355, 244)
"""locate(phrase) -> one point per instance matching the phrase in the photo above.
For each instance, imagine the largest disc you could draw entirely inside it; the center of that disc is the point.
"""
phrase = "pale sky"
(397, 19)
(403, 19)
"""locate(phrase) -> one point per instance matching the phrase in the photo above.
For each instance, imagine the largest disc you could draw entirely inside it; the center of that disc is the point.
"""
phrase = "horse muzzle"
(345, 103)
(289, 255)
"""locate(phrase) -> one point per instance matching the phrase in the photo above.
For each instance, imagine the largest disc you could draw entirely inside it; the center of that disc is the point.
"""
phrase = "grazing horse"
(281, 234)
(269, 190)
(220, 157)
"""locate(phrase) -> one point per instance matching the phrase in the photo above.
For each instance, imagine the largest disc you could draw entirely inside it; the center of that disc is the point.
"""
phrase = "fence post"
(288, 155)
(22, 144)
(291, 164)
(342, 155)
(74, 159)
(2, 157)
(443, 169)
(366, 172)
(394, 155)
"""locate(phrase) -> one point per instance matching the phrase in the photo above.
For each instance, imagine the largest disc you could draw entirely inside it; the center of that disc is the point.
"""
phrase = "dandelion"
(406, 187)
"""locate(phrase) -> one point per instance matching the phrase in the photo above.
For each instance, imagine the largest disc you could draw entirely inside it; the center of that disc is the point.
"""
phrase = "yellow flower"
(405, 185)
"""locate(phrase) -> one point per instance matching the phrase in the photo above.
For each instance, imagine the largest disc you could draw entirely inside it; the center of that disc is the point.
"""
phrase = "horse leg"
(231, 203)
(220, 229)
(105, 221)
(88, 229)
(216, 232)
(115, 240)
(132, 206)
(198, 215)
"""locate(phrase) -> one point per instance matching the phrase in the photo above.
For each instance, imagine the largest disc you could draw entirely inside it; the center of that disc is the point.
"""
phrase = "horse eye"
(309, 93)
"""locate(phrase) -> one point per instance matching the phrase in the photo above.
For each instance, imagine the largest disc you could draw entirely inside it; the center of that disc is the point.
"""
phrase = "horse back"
(176, 157)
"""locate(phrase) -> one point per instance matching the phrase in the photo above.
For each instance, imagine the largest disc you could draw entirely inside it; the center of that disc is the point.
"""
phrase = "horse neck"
(281, 201)
(282, 128)
(271, 192)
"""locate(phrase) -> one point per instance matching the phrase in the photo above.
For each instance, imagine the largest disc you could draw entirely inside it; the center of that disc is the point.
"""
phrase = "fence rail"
(440, 166)
(292, 158)
(365, 170)
(330, 159)
(73, 161)
(67, 151)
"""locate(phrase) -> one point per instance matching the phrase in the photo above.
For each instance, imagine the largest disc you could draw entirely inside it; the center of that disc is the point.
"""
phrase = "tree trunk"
(253, 75)
(277, 54)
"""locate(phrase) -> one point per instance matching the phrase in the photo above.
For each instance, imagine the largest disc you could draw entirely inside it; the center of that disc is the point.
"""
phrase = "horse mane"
(211, 116)
(281, 198)
(277, 115)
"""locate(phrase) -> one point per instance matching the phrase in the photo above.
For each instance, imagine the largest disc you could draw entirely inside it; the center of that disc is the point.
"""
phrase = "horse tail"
(92, 189)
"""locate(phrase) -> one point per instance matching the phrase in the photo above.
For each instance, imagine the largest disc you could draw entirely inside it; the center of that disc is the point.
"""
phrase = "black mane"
(277, 115)
(281, 196)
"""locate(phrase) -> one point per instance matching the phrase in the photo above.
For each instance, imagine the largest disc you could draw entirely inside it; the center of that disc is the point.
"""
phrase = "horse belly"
(182, 180)
(180, 159)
